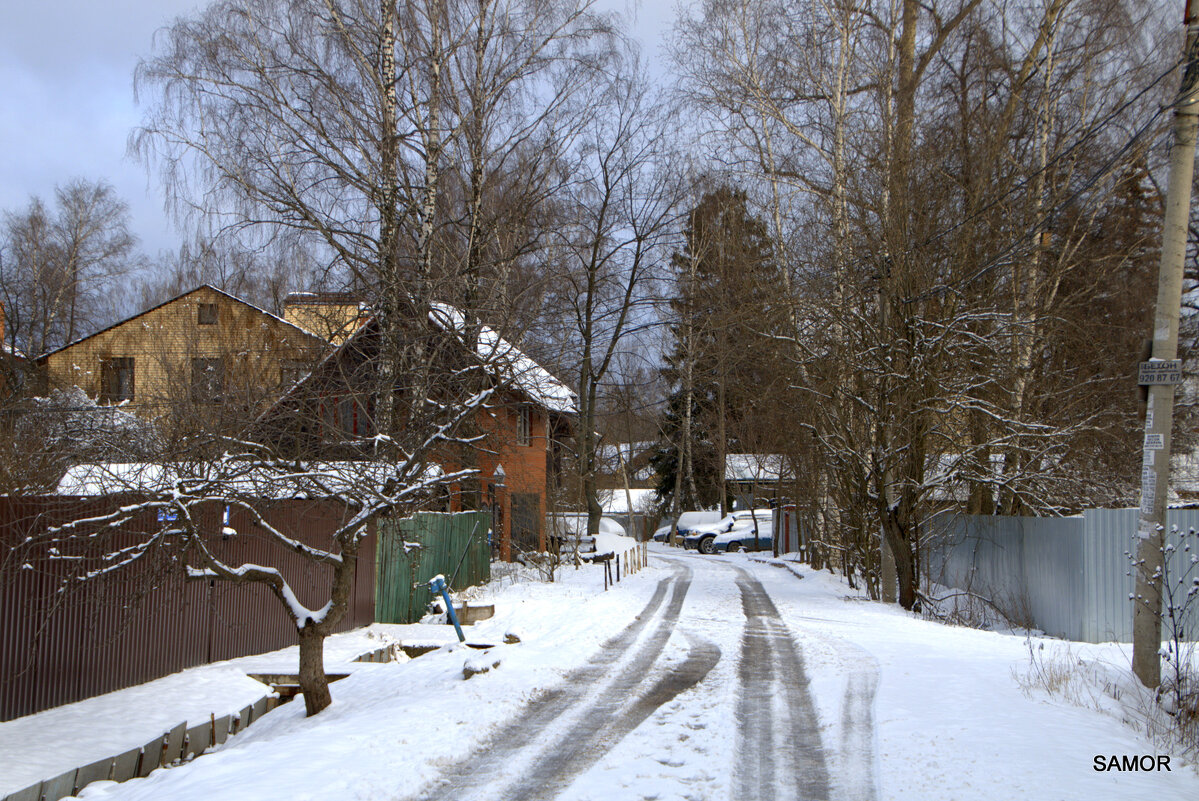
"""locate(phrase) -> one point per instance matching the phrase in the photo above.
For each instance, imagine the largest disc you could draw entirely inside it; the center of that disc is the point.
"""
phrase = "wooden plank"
(199, 739)
(220, 729)
(30, 793)
(151, 758)
(172, 749)
(244, 718)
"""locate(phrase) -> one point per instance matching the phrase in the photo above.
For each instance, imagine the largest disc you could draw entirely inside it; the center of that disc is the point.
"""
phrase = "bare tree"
(936, 173)
(59, 267)
(249, 475)
(617, 220)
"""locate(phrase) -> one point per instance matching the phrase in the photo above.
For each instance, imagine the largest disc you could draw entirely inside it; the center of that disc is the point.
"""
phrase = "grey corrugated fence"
(1071, 576)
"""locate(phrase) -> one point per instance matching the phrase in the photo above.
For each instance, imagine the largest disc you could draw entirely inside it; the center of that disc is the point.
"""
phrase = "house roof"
(180, 296)
(513, 365)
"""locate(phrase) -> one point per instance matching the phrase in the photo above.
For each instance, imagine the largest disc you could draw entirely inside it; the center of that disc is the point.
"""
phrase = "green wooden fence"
(413, 550)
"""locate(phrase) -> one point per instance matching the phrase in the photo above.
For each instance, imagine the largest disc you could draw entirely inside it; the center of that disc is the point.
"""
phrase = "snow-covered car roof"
(689, 520)
(733, 519)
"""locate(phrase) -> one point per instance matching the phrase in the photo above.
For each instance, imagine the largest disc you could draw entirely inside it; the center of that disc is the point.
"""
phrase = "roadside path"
(778, 753)
(566, 730)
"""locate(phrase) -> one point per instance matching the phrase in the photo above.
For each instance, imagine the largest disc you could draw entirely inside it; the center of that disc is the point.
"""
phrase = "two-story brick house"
(523, 431)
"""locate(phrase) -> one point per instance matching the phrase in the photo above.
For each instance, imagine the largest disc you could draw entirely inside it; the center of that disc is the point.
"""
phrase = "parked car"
(568, 532)
(688, 521)
(662, 533)
(701, 538)
(742, 537)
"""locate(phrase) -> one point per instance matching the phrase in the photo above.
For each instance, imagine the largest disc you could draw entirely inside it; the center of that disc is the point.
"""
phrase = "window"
(347, 418)
(208, 380)
(116, 379)
(206, 314)
(291, 372)
(524, 426)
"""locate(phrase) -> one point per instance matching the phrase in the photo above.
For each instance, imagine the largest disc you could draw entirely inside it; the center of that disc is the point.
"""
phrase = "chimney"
(332, 316)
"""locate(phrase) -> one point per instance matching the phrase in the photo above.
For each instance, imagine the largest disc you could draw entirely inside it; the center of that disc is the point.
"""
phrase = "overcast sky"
(66, 96)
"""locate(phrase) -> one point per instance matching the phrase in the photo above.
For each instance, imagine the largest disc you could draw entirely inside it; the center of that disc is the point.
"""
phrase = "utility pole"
(1162, 372)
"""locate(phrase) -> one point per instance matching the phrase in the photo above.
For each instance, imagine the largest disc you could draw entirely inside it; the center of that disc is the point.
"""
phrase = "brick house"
(203, 358)
(525, 429)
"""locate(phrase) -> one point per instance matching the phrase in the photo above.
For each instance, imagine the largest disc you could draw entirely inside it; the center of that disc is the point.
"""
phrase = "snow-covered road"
(700, 678)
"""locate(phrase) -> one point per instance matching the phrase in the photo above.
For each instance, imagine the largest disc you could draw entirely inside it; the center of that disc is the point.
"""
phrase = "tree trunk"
(313, 681)
(905, 564)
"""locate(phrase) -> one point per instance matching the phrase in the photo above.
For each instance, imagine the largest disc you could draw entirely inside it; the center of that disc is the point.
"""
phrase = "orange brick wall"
(524, 465)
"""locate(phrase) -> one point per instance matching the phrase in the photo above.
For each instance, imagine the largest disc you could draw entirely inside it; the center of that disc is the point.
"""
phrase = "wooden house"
(202, 359)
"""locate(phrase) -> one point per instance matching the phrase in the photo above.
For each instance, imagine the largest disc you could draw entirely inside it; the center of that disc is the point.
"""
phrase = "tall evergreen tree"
(725, 363)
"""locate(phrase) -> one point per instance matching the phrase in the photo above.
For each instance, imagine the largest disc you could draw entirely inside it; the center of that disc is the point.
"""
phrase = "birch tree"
(59, 265)
(933, 256)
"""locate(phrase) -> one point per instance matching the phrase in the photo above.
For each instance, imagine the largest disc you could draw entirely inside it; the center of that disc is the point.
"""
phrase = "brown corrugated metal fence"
(146, 622)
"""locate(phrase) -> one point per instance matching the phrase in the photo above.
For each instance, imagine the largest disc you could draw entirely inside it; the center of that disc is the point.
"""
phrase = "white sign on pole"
(1160, 372)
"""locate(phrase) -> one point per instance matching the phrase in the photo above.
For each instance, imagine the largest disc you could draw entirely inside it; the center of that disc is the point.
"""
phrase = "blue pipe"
(437, 584)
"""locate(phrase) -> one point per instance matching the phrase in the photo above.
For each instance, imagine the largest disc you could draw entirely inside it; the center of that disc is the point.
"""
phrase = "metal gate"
(413, 550)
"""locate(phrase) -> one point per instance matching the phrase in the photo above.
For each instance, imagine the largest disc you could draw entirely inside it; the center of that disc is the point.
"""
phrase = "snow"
(310, 480)
(755, 467)
(949, 714)
(50, 743)
(512, 364)
(616, 502)
(609, 541)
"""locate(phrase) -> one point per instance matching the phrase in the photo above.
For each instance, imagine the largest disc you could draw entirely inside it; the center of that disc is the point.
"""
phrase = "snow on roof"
(310, 480)
(755, 467)
(615, 502)
(512, 364)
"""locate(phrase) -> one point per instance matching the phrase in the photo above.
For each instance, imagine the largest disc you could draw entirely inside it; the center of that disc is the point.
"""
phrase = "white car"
(702, 538)
(743, 537)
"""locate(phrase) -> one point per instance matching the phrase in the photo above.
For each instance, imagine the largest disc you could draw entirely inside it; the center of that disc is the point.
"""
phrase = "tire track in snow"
(599, 720)
(795, 767)
(856, 780)
(597, 734)
(853, 767)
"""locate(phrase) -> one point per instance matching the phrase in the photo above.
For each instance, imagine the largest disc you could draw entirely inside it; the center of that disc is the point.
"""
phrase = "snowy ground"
(699, 677)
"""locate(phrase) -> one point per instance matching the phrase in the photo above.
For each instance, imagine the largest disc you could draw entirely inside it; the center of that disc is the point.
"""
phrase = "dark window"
(206, 314)
(208, 380)
(524, 426)
(347, 417)
(292, 372)
(116, 379)
(526, 515)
